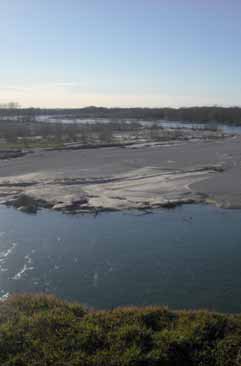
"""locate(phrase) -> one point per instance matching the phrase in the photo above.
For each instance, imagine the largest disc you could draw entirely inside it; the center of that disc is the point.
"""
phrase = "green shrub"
(43, 330)
(229, 351)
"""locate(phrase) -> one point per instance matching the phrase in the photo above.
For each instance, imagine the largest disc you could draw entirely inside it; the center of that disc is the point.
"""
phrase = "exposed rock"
(28, 209)
(11, 154)
(25, 203)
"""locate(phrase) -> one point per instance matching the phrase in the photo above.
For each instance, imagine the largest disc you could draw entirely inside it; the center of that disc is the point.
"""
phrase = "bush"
(43, 330)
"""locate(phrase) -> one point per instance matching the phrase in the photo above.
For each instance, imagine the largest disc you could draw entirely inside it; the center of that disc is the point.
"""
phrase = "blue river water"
(188, 257)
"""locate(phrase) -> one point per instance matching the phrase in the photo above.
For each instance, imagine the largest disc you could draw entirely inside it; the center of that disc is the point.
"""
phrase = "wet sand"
(127, 177)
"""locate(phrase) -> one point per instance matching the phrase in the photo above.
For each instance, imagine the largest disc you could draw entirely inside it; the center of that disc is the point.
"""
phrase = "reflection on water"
(227, 128)
(187, 257)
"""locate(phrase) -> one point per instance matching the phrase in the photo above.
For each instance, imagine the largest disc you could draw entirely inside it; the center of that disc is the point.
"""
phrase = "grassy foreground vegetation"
(43, 330)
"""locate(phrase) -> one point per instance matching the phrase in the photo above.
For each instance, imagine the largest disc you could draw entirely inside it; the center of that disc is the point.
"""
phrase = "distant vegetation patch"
(200, 114)
(24, 130)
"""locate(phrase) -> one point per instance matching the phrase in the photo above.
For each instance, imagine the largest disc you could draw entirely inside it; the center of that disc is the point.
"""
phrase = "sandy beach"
(128, 177)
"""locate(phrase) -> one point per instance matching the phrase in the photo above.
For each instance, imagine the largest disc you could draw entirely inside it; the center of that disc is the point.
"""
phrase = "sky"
(120, 53)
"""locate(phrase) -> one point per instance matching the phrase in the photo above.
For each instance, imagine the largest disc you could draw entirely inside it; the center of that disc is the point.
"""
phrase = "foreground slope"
(42, 330)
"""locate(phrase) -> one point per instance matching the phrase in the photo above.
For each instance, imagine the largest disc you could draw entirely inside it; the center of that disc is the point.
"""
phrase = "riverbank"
(120, 178)
(42, 330)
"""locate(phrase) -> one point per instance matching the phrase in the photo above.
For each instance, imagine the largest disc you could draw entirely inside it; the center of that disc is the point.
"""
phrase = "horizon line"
(5, 106)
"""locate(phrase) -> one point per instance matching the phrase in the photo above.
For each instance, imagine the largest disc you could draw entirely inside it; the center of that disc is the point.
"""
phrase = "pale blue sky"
(120, 53)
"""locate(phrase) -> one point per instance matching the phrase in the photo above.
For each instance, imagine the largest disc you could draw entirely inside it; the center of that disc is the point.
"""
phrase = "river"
(188, 257)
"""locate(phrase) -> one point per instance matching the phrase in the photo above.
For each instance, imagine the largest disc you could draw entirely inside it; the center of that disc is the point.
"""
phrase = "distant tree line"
(14, 131)
(214, 114)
